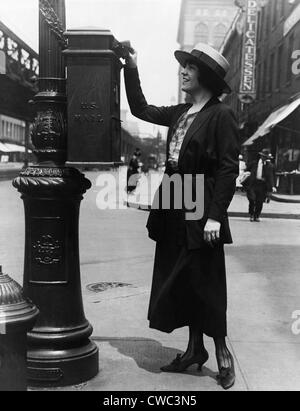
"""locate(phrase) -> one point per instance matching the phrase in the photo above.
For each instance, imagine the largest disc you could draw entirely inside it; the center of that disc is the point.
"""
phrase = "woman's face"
(190, 75)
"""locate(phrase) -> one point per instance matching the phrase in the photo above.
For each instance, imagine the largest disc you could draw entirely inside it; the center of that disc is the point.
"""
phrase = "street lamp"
(60, 351)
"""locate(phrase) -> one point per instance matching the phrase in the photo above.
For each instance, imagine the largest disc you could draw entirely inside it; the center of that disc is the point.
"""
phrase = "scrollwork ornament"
(53, 21)
(49, 130)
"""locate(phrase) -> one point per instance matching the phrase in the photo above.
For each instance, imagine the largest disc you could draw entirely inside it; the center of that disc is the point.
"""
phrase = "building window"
(271, 72)
(268, 20)
(258, 83)
(262, 22)
(219, 34)
(275, 7)
(261, 82)
(265, 78)
(201, 33)
(289, 59)
(259, 24)
(9, 129)
(279, 65)
(282, 4)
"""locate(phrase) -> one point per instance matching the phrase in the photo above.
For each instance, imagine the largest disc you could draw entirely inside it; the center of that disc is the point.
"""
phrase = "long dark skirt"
(189, 287)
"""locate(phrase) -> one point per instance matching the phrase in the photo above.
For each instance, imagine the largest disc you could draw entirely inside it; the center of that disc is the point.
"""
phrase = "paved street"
(263, 287)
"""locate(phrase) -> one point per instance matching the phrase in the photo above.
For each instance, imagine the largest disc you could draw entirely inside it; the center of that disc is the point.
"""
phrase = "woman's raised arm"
(137, 101)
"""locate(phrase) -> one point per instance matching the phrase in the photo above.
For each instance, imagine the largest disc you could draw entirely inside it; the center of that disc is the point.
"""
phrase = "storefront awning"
(275, 118)
(14, 148)
(3, 148)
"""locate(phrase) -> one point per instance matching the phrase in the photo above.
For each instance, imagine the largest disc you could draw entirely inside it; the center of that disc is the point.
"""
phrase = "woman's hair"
(208, 79)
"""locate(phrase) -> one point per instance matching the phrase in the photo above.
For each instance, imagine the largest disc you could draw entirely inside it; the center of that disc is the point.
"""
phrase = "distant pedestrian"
(242, 169)
(189, 276)
(270, 164)
(260, 182)
(133, 171)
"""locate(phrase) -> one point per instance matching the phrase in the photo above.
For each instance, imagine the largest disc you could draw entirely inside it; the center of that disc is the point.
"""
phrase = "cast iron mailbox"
(93, 89)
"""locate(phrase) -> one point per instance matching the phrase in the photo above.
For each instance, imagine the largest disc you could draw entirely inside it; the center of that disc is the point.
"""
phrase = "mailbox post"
(60, 352)
(93, 89)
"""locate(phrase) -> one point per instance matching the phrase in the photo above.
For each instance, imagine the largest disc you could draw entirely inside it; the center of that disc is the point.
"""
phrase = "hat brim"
(183, 57)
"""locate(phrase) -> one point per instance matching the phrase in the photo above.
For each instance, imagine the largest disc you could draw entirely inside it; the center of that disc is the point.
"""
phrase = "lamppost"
(60, 351)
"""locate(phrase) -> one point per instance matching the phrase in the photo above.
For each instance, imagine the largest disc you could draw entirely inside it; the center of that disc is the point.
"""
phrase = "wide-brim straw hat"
(203, 54)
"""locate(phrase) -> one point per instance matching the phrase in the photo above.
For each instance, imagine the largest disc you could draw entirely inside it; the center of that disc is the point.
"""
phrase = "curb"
(9, 174)
(284, 200)
(147, 208)
(266, 215)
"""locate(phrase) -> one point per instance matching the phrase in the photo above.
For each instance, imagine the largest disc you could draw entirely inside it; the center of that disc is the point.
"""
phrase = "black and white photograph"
(149, 198)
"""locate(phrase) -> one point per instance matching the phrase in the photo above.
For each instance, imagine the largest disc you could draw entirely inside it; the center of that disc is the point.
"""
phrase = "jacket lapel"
(198, 122)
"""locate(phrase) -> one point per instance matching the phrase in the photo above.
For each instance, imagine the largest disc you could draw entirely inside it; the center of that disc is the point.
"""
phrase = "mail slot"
(93, 91)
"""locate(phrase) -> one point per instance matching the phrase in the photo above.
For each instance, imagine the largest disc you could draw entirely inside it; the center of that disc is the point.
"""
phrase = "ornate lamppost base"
(61, 368)
(60, 352)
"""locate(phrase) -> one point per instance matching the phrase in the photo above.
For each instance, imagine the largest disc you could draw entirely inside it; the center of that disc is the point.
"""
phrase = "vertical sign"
(248, 83)
(2, 62)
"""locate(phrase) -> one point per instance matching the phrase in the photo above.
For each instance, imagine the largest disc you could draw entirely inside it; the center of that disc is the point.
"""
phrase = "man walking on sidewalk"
(260, 182)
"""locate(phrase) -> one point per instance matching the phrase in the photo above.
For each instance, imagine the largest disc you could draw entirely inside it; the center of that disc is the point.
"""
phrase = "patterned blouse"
(183, 124)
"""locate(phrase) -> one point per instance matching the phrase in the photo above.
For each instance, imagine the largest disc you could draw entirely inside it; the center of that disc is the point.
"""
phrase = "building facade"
(12, 130)
(204, 21)
(272, 119)
(18, 68)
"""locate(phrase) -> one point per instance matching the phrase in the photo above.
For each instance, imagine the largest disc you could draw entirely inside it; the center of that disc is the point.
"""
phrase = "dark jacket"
(268, 175)
(211, 147)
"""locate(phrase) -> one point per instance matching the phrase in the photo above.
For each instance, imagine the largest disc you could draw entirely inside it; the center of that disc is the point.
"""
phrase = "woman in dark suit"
(189, 278)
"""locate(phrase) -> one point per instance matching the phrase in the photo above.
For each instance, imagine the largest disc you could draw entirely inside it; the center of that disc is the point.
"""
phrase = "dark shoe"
(179, 365)
(257, 219)
(226, 376)
(252, 218)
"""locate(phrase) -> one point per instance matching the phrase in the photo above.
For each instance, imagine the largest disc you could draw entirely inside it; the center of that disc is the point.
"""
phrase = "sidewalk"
(238, 207)
(263, 296)
(263, 292)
